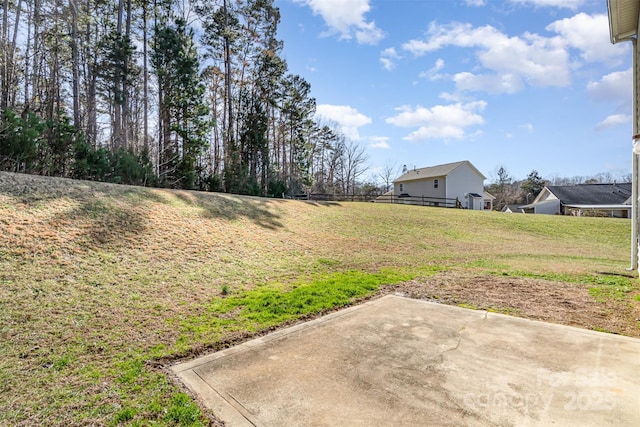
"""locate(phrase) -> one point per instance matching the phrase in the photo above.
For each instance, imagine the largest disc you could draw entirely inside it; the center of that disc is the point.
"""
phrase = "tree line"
(159, 93)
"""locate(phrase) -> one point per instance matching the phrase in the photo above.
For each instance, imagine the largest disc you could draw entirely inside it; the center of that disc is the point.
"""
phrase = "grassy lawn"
(101, 286)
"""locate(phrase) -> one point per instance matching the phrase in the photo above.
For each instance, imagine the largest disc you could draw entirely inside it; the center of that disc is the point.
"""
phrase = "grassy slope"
(96, 280)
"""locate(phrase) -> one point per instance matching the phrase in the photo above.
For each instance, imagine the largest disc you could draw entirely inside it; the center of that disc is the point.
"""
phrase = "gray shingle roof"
(512, 208)
(434, 171)
(592, 194)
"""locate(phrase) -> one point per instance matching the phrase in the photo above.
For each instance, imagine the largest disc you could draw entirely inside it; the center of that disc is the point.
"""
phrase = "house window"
(401, 187)
(435, 183)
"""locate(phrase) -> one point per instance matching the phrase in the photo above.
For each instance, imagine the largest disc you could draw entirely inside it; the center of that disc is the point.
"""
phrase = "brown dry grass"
(537, 299)
(97, 279)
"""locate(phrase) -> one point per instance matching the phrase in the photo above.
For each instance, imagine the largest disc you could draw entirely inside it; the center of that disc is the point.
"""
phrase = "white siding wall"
(422, 187)
(474, 203)
(545, 194)
(550, 207)
(462, 181)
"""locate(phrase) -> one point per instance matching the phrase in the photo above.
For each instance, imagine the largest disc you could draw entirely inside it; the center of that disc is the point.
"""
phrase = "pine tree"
(182, 112)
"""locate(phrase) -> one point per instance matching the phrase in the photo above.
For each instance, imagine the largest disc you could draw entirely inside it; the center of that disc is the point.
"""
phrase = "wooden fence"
(420, 201)
(385, 198)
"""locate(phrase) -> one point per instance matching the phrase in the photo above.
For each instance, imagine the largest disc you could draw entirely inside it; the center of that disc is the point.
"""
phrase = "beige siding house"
(448, 183)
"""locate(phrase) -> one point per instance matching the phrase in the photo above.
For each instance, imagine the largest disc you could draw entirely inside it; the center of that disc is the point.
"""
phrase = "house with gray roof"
(583, 200)
(512, 209)
(452, 184)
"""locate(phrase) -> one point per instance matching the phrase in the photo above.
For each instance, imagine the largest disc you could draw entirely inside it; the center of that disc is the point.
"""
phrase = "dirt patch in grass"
(550, 301)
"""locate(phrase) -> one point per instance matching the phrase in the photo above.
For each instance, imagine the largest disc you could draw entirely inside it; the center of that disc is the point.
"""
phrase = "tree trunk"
(145, 77)
(26, 65)
(91, 81)
(75, 66)
(116, 130)
(37, 59)
(127, 120)
(227, 82)
(4, 66)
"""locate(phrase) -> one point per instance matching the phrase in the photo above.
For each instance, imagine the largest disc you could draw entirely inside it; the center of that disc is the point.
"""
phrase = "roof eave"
(418, 178)
(611, 206)
(623, 19)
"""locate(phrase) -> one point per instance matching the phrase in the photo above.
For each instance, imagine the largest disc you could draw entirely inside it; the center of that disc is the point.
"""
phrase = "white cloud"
(614, 87)
(507, 64)
(568, 4)
(492, 83)
(528, 127)
(368, 33)
(613, 121)
(387, 63)
(454, 34)
(475, 2)
(590, 35)
(440, 121)
(510, 61)
(387, 57)
(347, 19)
(347, 117)
(379, 142)
(432, 73)
(451, 97)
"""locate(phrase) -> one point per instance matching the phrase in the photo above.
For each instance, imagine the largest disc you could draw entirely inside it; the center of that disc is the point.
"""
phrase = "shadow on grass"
(329, 204)
(102, 223)
(33, 189)
(610, 273)
(232, 207)
(87, 207)
(109, 219)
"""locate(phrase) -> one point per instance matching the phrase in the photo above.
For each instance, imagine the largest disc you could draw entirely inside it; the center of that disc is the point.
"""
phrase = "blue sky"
(524, 84)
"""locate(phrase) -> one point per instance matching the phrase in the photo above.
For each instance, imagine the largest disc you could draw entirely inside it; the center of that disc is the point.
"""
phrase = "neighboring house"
(444, 185)
(487, 201)
(512, 209)
(583, 199)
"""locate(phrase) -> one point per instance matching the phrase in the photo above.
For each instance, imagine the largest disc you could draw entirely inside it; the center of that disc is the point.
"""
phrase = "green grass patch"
(184, 412)
(270, 305)
(467, 305)
(124, 415)
(599, 329)
(266, 307)
(130, 370)
(61, 362)
(595, 279)
(610, 292)
(328, 262)
(602, 287)
(488, 264)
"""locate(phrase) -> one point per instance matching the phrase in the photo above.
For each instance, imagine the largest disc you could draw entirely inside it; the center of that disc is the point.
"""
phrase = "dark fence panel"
(385, 198)
(420, 201)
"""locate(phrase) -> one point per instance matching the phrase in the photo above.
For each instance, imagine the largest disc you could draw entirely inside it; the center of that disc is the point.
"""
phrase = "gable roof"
(435, 171)
(592, 194)
(512, 208)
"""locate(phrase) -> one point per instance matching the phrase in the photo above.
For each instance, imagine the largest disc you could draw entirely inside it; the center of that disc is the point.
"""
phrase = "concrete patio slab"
(396, 361)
